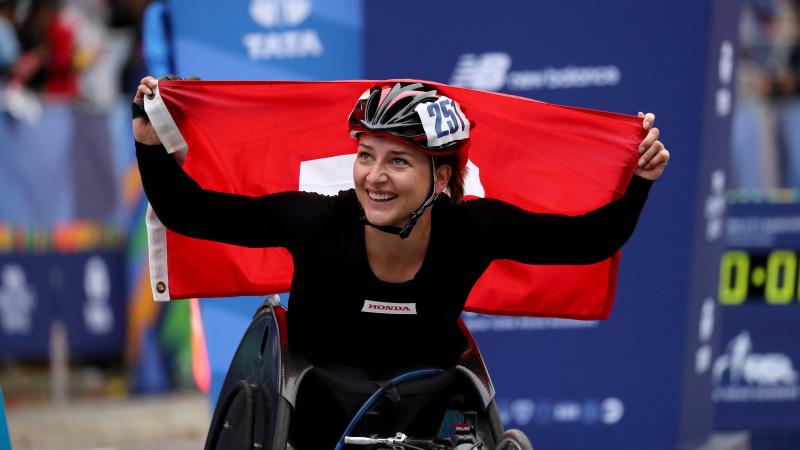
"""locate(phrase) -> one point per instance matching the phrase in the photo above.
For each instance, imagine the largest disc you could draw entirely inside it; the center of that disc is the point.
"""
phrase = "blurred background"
(701, 348)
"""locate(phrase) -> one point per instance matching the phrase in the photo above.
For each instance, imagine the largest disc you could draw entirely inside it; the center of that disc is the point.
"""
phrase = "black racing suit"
(333, 281)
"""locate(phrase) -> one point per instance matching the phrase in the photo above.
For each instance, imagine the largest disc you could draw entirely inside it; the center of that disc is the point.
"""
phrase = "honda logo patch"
(389, 308)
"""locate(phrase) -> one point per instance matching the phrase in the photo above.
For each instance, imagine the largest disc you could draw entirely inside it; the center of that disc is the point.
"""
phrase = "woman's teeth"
(381, 197)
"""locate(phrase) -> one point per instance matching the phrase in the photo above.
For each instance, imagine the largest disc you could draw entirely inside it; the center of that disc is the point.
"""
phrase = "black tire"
(514, 439)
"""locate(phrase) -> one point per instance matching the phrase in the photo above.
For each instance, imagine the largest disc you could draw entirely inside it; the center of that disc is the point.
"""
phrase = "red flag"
(256, 138)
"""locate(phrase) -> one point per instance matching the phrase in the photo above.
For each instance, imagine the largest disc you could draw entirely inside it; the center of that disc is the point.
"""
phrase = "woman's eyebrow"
(365, 146)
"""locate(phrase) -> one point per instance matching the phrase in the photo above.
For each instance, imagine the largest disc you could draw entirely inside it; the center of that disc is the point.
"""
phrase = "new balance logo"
(486, 71)
(492, 72)
(389, 308)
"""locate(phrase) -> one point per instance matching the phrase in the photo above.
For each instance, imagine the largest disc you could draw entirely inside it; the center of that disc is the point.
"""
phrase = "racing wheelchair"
(441, 409)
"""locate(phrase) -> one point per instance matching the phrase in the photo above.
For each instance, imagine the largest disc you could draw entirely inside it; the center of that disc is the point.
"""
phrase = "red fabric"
(250, 138)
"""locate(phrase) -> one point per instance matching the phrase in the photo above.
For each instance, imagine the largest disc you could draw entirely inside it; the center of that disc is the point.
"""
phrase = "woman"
(378, 283)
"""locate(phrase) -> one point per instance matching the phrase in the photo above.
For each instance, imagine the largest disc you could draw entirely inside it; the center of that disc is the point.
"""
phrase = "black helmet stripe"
(408, 110)
(393, 94)
(396, 89)
(372, 105)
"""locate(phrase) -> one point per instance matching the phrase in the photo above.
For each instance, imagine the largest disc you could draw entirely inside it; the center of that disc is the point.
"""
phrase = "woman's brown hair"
(455, 187)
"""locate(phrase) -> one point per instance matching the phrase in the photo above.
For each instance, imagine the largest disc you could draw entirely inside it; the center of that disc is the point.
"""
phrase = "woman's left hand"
(654, 156)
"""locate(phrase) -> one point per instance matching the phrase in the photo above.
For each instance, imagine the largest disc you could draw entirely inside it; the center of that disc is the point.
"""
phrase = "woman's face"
(392, 179)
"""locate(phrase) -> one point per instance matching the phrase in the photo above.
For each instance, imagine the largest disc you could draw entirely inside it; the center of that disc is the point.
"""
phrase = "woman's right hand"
(143, 131)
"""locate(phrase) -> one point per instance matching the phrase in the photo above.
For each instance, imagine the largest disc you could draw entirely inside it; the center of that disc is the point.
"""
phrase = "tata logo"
(289, 42)
(374, 307)
(272, 13)
(491, 71)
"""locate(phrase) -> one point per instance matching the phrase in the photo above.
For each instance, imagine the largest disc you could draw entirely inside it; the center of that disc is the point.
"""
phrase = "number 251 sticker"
(443, 121)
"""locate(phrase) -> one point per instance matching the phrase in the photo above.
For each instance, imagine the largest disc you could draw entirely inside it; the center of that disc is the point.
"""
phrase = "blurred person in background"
(9, 47)
(61, 79)
(157, 39)
(47, 50)
(9, 44)
(766, 144)
(754, 153)
(783, 87)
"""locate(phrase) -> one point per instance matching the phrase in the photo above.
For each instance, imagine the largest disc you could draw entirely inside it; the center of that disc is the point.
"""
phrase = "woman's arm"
(275, 220)
(504, 231)
(507, 232)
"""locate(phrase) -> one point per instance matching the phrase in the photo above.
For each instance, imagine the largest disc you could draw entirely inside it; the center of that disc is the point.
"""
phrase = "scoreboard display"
(757, 276)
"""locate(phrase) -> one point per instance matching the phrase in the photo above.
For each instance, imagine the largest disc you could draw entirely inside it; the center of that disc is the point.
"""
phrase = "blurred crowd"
(766, 126)
(83, 51)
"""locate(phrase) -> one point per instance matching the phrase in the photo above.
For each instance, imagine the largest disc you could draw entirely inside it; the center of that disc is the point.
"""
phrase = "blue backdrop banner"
(642, 379)
(84, 291)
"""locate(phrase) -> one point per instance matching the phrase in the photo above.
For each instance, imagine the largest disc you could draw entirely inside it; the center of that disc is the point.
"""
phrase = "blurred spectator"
(157, 39)
(9, 44)
(61, 80)
(101, 51)
(754, 154)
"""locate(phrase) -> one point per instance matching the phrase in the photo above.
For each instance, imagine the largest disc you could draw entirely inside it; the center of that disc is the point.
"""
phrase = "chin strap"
(405, 230)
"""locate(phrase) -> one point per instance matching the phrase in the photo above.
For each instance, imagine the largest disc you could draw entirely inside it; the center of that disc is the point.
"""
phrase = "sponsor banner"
(27, 306)
(643, 378)
(84, 291)
(493, 71)
(95, 291)
(268, 39)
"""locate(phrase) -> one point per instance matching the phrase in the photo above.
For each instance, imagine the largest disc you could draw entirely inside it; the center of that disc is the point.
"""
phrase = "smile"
(380, 197)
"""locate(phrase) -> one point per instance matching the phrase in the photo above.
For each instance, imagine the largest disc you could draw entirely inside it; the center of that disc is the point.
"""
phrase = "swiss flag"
(256, 138)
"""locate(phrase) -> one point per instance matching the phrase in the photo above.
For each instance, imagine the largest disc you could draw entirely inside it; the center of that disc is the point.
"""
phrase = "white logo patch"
(285, 41)
(272, 13)
(443, 121)
(371, 306)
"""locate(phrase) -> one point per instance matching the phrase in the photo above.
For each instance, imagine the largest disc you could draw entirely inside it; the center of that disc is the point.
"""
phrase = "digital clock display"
(756, 277)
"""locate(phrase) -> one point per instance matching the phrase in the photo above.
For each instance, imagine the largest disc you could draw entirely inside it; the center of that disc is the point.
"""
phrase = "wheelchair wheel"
(514, 439)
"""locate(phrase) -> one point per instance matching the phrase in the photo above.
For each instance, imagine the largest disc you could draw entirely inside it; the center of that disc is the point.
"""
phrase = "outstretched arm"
(275, 220)
(507, 232)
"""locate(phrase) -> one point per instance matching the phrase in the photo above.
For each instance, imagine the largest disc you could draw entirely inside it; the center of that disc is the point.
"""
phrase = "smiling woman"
(372, 269)
(392, 178)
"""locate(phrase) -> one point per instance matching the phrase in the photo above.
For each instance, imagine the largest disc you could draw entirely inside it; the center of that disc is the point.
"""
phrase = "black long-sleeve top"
(337, 311)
